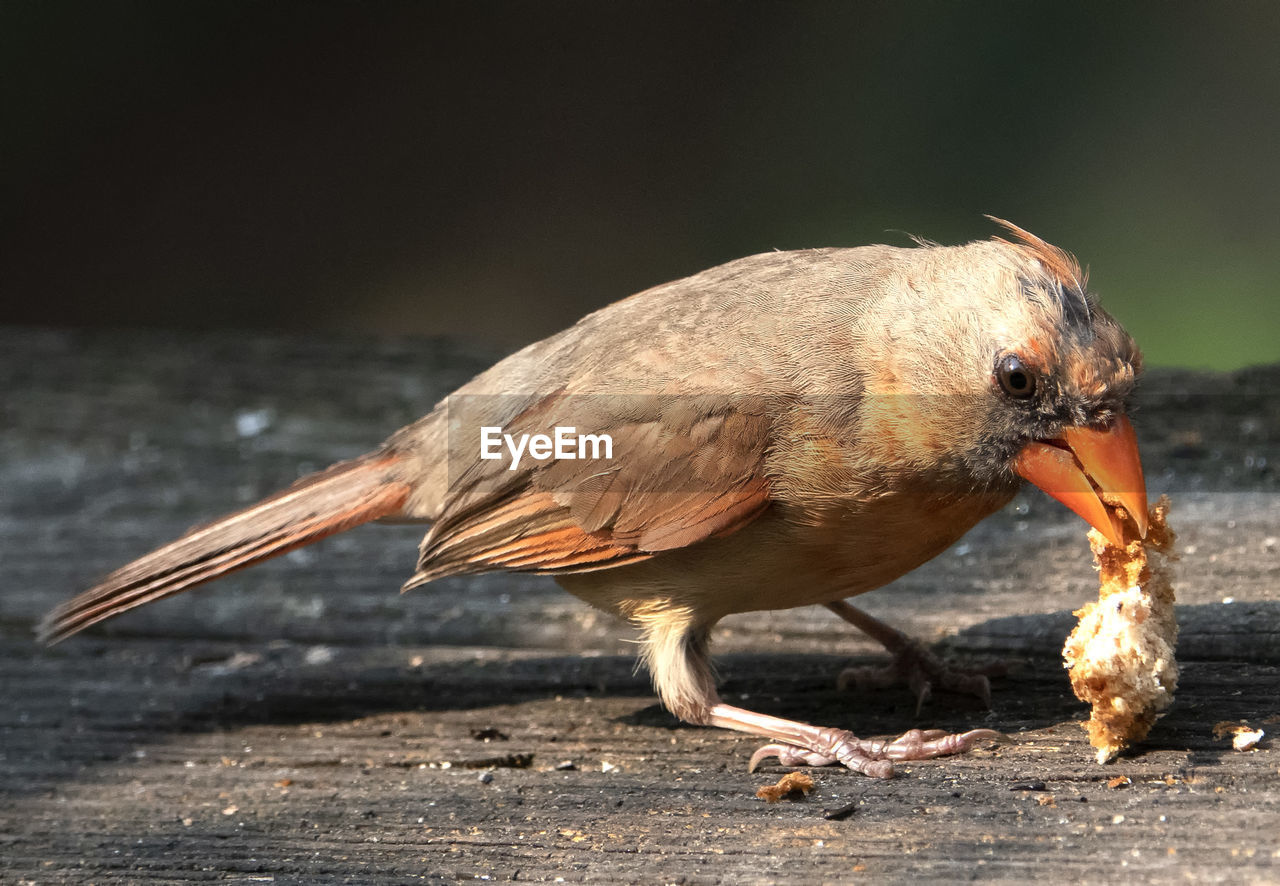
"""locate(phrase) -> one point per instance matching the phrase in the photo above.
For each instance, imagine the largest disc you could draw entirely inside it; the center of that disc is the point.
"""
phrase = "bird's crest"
(1061, 265)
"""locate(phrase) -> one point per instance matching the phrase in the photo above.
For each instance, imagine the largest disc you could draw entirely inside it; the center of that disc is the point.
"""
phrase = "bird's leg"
(675, 649)
(912, 663)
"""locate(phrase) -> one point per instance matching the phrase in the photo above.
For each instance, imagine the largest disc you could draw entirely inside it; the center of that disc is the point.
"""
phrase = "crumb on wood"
(489, 733)
(792, 786)
(1243, 736)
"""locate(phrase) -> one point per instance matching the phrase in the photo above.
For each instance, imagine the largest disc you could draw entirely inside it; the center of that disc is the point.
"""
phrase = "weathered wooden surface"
(294, 722)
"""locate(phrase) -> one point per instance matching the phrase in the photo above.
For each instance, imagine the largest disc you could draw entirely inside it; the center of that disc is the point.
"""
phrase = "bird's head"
(1058, 391)
(1036, 376)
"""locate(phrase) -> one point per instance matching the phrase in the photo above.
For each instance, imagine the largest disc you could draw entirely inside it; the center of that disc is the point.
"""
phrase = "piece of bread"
(792, 785)
(1121, 652)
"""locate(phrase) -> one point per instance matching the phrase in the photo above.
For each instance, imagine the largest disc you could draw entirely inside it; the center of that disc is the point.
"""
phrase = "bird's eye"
(1015, 378)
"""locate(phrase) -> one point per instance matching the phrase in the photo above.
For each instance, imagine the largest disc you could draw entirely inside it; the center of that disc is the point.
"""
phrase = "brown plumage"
(787, 429)
(330, 501)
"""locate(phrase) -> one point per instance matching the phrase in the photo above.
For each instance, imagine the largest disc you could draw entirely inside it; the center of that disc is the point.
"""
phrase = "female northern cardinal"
(786, 429)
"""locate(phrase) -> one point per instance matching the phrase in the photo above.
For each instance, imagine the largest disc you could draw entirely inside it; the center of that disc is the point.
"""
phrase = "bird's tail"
(338, 498)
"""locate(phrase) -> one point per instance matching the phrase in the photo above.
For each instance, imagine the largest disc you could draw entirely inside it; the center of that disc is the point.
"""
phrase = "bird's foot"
(873, 757)
(921, 670)
(912, 664)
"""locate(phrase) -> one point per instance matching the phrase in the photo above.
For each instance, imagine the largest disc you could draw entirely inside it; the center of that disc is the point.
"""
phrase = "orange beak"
(1093, 472)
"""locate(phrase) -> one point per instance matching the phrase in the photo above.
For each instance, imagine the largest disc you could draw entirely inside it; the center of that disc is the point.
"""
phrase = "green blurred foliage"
(495, 170)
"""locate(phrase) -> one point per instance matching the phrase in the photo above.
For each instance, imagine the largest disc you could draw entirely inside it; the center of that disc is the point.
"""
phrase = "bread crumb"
(1245, 739)
(793, 786)
(1121, 654)
(1243, 736)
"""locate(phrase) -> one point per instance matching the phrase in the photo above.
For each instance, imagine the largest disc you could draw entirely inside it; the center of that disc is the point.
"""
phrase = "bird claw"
(920, 669)
(873, 757)
(788, 755)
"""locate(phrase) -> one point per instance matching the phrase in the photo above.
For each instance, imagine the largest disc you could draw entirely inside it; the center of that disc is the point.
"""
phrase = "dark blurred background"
(494, 170)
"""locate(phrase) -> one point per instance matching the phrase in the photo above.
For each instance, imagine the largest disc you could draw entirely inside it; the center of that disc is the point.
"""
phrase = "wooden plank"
(294, 722)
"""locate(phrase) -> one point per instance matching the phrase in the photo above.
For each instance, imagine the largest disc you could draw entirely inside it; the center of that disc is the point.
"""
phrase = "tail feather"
(343, 496)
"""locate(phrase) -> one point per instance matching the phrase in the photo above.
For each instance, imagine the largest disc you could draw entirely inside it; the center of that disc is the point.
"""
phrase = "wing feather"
(683, 470)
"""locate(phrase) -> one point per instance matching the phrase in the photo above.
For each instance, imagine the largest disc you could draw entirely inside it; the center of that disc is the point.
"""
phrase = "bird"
(787, 429)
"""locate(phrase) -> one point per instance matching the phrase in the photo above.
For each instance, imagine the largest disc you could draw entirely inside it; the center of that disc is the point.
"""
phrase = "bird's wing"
(682, 469)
